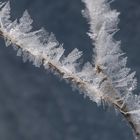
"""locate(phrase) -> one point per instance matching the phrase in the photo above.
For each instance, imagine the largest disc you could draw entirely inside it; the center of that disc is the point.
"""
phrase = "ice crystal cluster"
(105, 79)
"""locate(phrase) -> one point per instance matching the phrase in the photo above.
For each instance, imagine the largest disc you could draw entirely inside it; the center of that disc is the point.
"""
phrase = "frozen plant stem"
(106, 79)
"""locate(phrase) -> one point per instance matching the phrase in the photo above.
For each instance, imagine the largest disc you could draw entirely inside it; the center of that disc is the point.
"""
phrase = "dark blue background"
(35, 105)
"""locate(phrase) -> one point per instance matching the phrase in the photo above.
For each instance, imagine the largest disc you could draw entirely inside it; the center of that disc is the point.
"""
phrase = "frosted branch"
(109, 80)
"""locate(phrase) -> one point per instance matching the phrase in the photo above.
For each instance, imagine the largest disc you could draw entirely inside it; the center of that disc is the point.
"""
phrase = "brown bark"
(134, 126)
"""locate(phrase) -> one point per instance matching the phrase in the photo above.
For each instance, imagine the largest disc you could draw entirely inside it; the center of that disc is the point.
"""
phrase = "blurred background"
(35, 104)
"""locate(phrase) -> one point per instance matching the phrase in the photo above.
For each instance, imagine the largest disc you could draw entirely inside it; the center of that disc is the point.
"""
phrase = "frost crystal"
(25, 23)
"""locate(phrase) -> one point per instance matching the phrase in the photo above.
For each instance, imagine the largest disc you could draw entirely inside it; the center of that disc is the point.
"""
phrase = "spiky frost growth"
(108, 80)
(110, 59)
(42, 48)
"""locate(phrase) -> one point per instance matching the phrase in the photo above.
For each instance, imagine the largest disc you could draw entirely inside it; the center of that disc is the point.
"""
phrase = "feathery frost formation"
(108, 55)
(111, 60)
(41, 47)
(106, 79)
(103, 25)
